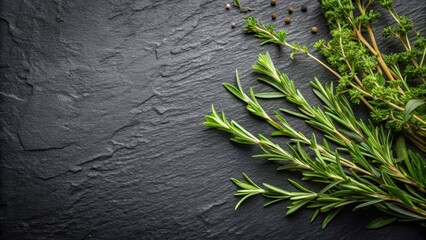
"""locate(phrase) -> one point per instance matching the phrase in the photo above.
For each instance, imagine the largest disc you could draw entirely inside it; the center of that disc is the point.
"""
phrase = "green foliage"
(358, 164)
(385, 82)
(242, 9)
(387, 4)
(264, 32)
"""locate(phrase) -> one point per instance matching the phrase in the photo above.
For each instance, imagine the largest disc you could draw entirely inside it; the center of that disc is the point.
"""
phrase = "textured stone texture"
(101, 110)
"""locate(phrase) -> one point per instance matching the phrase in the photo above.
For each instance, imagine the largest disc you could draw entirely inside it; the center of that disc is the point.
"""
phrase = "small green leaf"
(296, 114)
(404, 212)
(277, 134)
(314, 216)
(232, 89)
(296, 205)
(330, 217)
(276, 190)
(304, 196)
(273, 201)
(369, 203)
(411, 106)
(329, 186)
(242, 184)
(299, 186)
(250, 181)
(381, 222)
(399, 193)
(243, 199)
(242, 9)
(269, 95)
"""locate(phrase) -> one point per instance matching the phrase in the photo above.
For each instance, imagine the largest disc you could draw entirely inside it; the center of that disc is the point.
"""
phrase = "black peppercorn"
(274, 16)
(290, 10)
(304, 8)
(273, 2)
(287, 20)
(314, 30)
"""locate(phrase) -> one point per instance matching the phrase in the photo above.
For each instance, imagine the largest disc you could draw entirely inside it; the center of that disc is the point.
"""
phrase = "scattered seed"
(287, 20)
(273, 2)
(290, 10)
(274, 16)
(233, 24)
(228, 6)
(304, 8)
(314, 30)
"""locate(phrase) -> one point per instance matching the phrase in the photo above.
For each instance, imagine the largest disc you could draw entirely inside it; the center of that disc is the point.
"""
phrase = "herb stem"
(362, 39)
(419, 119)
(423, 57)
(393, 13)
(294, 48)
(324, 65)
(346, 61)
(380, 58)
(374, 49)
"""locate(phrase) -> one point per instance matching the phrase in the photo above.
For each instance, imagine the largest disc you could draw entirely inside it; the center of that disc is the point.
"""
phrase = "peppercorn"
(304, 8)
(233, 24)
(274, 16)
(287, 20)
(290, 10)
(273, 2)
(314, 30)
(228, 6)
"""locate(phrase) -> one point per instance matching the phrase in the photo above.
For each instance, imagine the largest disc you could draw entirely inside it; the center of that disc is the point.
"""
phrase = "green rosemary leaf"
(293, 113)
(243, 199)
(381, 222)
(296, 205)
(276, 190)
(330, 217)
(273, 201)
(243, 185)
(314, 216)
(399, 193)
(403, 212)
(250, 181)
(415, 193)
(328, 187)
(235, 91)
(268, 95)
(294, 183)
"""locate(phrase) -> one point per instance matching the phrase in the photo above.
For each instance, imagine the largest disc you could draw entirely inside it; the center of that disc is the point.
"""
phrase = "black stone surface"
(102, 104)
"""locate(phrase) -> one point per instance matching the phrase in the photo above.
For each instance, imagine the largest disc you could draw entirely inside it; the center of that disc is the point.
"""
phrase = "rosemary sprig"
(361, 166)
(392, 85)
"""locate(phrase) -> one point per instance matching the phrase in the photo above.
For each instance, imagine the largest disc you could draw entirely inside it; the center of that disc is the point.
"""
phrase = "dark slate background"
(102, 104)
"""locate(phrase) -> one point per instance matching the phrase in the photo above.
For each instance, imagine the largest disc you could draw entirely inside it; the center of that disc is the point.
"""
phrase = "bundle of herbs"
(358, 163)
(391, 85)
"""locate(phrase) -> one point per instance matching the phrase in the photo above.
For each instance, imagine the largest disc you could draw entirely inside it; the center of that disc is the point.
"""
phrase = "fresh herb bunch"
(391, 85)
(357, 163)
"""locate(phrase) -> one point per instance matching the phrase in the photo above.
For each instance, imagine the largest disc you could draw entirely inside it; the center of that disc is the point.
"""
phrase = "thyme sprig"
(392, 85)
(238, 5)
(358, 164)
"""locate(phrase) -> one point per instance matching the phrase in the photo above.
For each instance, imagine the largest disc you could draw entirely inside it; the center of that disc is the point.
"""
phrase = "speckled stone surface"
(102, 104)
